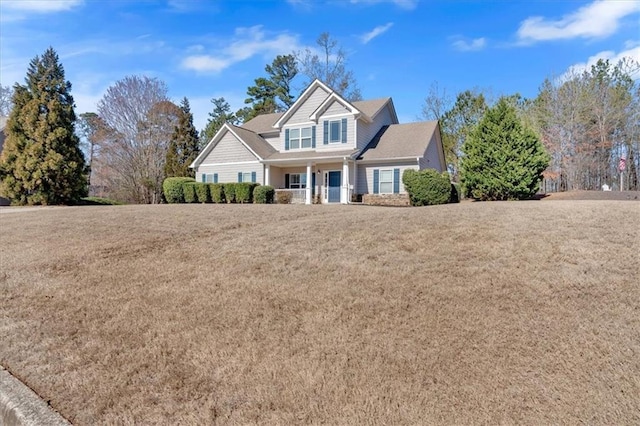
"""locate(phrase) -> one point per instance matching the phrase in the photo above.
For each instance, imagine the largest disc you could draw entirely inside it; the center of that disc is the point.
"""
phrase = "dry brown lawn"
(477, 313)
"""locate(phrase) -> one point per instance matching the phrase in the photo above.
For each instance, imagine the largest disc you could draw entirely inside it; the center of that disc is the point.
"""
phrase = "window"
(246, 177)
(334, 131)
(300, 138)
(306, 137)
(210, 178)
(386, 181)
(297, 180)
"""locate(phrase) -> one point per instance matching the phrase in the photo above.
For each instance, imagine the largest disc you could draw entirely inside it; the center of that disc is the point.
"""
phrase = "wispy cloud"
(380, 29)
(41, 6)
(473, 45)
(631, 51)
(598, 19)
(246, 43)
(403, 4)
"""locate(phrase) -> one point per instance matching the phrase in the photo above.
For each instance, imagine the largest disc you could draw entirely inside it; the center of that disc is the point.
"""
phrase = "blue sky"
(398, 48)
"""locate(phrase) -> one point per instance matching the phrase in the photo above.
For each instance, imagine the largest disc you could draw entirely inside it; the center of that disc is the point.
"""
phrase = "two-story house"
(323, 145)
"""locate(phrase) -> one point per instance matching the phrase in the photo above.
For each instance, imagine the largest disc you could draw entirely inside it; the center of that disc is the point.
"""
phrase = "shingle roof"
(370, 107)
(400, 141)
(254, 141)
(263, 123)
(311, 154)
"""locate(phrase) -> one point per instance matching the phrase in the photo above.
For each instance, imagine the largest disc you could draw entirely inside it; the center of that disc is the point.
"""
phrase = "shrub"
(263, 194)
(172, 189)
(244, 192)
(217, 192)
(189, 190)
(229, 192)
(202, 192)
(284, 197)
(427, 187)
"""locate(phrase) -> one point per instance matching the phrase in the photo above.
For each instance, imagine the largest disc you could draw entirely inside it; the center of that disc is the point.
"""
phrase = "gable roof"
(400, 141)
(263, 123)
(315, 84)
(372, 107)
(334, 97)
(252, 141)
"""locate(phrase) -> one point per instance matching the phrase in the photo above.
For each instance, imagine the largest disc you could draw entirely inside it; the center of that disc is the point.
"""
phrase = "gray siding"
(229, 172)
(366, 131)
(432, 155)
(307, 107)
(351, 123)
(228, 150)
(336, 108)
(275, 142)
(365, 174)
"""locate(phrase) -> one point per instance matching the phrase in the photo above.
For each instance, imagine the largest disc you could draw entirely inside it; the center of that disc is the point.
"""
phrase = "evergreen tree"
(183, 147)
(503, 159)
(42, 162)
(221, 114)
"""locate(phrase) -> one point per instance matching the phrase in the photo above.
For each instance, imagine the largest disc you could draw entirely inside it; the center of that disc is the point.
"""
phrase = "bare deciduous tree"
(139, 120)
(329, 66)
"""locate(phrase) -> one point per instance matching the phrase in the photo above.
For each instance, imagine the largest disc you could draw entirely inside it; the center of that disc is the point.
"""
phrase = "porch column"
(308, 185)
(267, 179)
(344, 194)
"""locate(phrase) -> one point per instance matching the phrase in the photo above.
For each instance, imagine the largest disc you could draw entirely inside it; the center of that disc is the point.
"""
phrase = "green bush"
(202, 192)
(427, 187)
(229, 192)
(263, 194)
(217, 192)
(189, 190)
(284, 197)
(244, 192)
(172, 189)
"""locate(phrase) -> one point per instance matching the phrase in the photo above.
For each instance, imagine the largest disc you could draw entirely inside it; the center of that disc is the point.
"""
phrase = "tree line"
(586, 120)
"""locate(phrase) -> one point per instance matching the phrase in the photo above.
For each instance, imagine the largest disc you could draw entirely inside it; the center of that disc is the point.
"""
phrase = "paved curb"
(20, 406)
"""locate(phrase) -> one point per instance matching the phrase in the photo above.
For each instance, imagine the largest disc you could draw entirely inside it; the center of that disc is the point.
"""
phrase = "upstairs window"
(335, 131)
(301, 138)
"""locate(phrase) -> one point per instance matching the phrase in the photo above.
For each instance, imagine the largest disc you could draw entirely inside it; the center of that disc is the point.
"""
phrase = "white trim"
(215, 140)
(381, 160)
(334, 97)
(236, 163)
(301, 99)
(347, 115)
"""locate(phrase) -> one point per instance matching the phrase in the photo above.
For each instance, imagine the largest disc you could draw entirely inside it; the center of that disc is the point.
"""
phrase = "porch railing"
(298, 196)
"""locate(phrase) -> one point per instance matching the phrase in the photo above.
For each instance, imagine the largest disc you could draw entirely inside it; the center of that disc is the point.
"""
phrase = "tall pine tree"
(183, 147)
(42, 162)
(503, 159)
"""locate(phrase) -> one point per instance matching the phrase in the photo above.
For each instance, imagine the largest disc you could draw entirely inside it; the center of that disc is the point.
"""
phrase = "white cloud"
(380, 29)
(403, 4)
(41, 6)
(598, 19)
(469, 46)
(247, 42)
(632, 50)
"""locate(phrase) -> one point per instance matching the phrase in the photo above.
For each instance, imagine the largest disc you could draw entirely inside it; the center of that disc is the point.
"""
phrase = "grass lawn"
(504, 312)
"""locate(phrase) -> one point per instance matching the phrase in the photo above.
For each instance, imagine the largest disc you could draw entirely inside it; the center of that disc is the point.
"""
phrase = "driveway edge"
(20, 406)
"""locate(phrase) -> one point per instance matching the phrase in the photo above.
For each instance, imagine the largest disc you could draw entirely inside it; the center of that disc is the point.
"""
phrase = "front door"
(332, 182)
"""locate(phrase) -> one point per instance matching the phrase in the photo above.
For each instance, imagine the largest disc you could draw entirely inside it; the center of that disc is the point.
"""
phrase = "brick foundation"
(399, 200)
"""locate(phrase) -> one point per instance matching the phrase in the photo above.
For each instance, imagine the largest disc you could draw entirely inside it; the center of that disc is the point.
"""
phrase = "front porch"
(313, 182)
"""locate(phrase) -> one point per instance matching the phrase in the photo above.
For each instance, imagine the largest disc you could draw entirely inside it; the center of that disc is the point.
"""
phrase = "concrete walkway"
(20, 406)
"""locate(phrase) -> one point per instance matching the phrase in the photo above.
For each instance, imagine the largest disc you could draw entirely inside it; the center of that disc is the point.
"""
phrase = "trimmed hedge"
(263, 194)
(229, 192)
(202, 192)
(244, 192)
(217, 192)
(427, 187)
(172, 189)
(189, 189)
